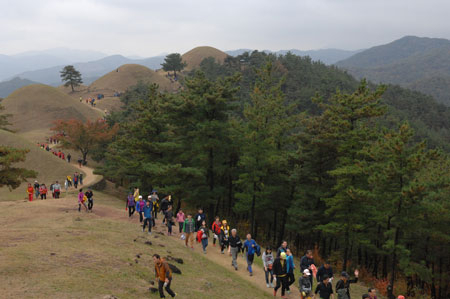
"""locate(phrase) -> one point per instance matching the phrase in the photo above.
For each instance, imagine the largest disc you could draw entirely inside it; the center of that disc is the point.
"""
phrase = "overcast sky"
(147, 28)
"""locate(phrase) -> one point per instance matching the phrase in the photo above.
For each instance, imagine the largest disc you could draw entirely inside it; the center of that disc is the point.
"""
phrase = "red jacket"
(216, 228)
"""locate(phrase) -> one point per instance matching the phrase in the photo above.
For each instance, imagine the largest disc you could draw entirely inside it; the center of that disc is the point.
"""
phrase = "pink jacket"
(181, 217)
(80, 197)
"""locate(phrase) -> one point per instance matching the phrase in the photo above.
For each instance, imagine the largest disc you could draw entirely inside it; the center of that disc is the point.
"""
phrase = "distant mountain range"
(327, 56)
(7, 87)
(418, 63)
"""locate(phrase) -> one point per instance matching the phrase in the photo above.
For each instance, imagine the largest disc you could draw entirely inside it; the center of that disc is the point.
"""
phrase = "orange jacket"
(30, 190)
(162, 271)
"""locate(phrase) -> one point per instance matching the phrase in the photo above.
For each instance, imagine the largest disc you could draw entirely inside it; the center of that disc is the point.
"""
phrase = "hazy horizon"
(149, 28)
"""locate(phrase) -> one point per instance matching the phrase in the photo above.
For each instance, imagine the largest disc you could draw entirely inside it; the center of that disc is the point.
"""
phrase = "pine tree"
(71, 77)
(173, 62)
(11, 176)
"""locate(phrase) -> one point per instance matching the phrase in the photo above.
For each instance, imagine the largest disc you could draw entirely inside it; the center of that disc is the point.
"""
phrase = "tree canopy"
(71, 76)
(173, 63)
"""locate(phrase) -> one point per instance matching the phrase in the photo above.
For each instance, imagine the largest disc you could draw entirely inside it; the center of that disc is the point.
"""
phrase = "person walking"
(235, 245)
(69, 180)
(280, 274)
(90, 198)
(304, 285)
(56, 189)
(204, 235)
(306, 262)
(155, 202)
(130, 205)
(75, 180)
(147, 211)
(282, 248)
(66, 184)
(189, 230)
(80, 177)
(136, 194)
(30, 192)
(169, 220)
(216, 230)
(324, 288)
(267, 258)
(180, 219)
(140, 204)
(80, 162)
(164, 206)
(290, 270)
(199, 218)
(52, 189)
(224, 235)
(163, 276)
(81, 201)
(250, 249)
(343, 285)
(325, 269)
(36, 187)
(69, 156)
(43, 191)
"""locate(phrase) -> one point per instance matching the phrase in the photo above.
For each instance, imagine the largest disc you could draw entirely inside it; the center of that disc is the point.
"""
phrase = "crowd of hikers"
(279, 266)
(40, 190)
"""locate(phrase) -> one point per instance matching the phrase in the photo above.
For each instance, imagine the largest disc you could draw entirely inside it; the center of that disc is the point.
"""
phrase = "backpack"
(199, 236)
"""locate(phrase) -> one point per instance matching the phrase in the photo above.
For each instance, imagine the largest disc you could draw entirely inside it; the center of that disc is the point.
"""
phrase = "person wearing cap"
(280, 274)
(140, 208)
(224, 235)
(372, 292)
(304, 285)
(147, 210)
(343, 285)
(325, 269)
(324, 289)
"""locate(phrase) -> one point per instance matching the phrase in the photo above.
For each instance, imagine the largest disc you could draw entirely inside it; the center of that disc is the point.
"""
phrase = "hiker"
(324, 288)
(164, 206)
(199, 218)
(136, 194)
(30, 192)
(180, 219)
(250, 248)
(69, 180)
(325, 269)
(147, 211)
(224, 235)
(80, 161)
(189, 229)
(63, 156)
(89, 194)
(163, 276)
(57, 189)
(306, 262)
(81, 200)
(80, 178)
(169, 220)
(69, 156)
(216, 230)
(280, 274)
(140, 208)
(304, 285)
(52, 189)
(43, 191)
(343, 285)
(130, 205)
(36, 187)
(372, 292)
(234, 247)
(267, 258)
(203, 235)
(75, 180)
(155, 201)
(290, 270)
(282, 248)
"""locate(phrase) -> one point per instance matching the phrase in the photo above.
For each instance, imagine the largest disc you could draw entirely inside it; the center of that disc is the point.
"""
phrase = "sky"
(148, 28)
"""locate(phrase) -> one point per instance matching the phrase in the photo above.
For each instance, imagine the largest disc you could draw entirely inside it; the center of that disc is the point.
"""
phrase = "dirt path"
(90, 178)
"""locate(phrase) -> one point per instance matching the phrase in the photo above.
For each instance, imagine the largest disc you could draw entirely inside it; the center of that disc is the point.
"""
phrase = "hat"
(149, 196)
(283, 255)
(224, 222)
(401, 297)
(140, 196)
(306, 271)
(154, 191)
(345, 274)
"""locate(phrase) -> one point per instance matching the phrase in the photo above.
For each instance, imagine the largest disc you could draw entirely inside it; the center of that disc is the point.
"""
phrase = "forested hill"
(343, 173)
(422, 64)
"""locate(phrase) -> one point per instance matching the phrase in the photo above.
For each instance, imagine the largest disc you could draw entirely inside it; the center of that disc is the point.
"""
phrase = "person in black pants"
(163, 276)
(280, 273)
(89, 196)
(305, 263)
(324, 288)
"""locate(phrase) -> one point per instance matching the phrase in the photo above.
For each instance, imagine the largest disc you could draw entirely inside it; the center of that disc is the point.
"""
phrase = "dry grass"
(49, 167)
(35, 107)
(49, 250)
(127, 76)
(194, 57)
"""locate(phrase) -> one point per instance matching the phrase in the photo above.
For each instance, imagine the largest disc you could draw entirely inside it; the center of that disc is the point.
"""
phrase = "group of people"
(84, 197)
(75, 180)
(37, 190)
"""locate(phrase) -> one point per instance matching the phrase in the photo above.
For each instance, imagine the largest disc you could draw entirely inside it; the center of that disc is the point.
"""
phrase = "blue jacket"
(248, 244)
(148, 211)
(290, 263)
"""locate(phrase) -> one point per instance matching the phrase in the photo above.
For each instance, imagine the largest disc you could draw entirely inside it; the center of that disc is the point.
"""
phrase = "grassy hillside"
(60, 253)
(49, 167)
(194, 57)
(129, 75)
(7, 87)
(35, 107)
(422, 64)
